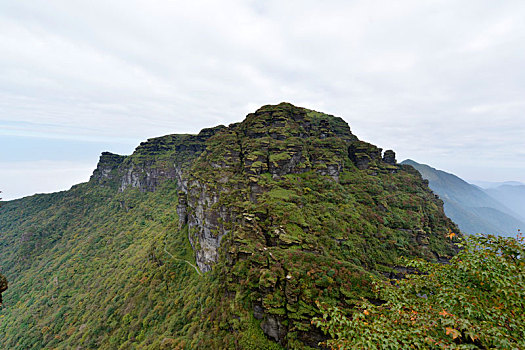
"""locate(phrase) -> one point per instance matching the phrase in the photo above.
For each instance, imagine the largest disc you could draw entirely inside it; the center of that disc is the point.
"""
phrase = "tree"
(3, 286)
(475, 301)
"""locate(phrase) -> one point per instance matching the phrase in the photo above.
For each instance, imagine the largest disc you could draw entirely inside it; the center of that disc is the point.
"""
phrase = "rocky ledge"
(286, 208)
(276, 140)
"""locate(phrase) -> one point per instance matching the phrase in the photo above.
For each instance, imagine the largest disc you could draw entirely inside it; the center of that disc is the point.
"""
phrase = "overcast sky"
(440, 82)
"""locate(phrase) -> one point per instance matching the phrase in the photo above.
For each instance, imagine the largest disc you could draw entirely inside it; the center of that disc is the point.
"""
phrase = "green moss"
(252, 337)
(281, 193)
(280, 157)
(295, 237)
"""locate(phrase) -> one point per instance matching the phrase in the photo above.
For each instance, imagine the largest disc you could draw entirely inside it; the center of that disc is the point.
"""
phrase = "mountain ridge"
(512, 194)
(280, 210)
(472, 208)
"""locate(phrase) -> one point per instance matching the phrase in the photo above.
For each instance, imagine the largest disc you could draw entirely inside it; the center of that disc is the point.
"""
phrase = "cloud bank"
(438, 81)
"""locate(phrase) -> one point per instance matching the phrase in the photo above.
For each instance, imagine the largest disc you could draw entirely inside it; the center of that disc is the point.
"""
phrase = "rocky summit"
(225, 239)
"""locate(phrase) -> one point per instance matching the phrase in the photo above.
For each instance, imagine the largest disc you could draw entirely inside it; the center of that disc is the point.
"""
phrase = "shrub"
(475, 301)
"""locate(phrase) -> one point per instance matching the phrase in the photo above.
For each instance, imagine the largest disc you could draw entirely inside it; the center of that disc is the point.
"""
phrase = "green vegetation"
(309, 226)
(91, 263)
(312, 239)
(476, 301)
(3, 280)
(3, 287)
(108, 264)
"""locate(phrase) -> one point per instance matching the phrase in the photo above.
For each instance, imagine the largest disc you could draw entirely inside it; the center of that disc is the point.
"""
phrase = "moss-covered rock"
(292, 202)
(281, 210)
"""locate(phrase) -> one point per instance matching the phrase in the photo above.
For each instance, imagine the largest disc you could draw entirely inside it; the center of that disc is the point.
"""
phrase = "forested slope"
(90, 270)
(279, 211)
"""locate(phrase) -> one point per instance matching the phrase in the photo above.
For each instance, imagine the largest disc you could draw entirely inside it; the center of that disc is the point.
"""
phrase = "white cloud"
(440, 81)
(19, 179)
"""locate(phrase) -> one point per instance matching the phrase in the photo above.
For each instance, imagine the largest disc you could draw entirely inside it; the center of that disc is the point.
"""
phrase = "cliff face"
(153, 162)
(275, 140)
(280, 199)
(286, 208)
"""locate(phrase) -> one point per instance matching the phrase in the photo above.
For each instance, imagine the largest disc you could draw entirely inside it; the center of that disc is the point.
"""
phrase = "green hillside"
(277, 212)
(90, 264)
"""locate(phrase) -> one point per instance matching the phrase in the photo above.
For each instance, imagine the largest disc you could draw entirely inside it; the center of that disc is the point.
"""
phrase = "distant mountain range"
(512, 195)
(491, 184)
(498, 209)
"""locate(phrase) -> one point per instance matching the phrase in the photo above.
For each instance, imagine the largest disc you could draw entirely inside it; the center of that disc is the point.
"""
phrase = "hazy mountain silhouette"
(469, 206)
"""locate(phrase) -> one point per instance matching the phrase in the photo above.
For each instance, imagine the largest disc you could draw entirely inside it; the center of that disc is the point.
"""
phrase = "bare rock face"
(153, 162)
(273, 328)
(389, 157)
(158, 160)
(278, 140)
(182, 209)
(363, 154)
(146, 177)
(107, 167)
(199, 208)
(367, 156)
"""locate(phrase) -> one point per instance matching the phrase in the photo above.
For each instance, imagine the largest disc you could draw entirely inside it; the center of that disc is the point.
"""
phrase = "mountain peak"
(301, 122)
(282, 209)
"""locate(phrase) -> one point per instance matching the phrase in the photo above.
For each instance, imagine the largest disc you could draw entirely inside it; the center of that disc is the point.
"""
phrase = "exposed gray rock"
(389, 157)
(258, 312)
(205, 222)
(107, 167)
(153, 162)
(363, 153)
(273, 328)
(182, 208)
(145, 177)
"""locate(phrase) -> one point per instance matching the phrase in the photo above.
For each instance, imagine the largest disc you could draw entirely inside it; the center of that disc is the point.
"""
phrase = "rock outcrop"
(389, 157)
(153, 162)
(236, 189)
(288, 207)
(107, 167)
(278, 140)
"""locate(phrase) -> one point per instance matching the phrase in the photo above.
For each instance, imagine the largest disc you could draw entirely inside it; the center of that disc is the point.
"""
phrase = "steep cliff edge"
(153, 162)
(281, 210)
(293, 208)
(275, 140)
